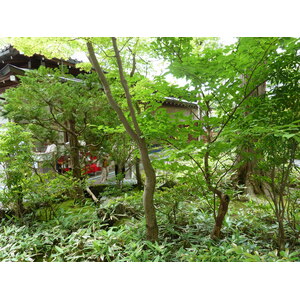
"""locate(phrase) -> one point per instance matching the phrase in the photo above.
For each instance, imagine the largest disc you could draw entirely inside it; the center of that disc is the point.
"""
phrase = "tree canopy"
(226, 147)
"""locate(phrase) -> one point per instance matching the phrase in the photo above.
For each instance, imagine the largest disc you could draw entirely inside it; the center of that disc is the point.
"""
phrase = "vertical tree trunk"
(245, 172)
(149, 188)
(138, 173)
(135, 133)
(224, 199)
(75, 152)
(281, 235)
(248, 167)
(120, 173)
(20, 209)
(75, 160)
(120, 170)
(222, 211)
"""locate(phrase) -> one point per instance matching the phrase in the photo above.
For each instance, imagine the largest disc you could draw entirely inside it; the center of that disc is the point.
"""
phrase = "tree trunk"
(149, 188)
(136, 135)
(248, 167)
(120, 174)
(20, 209)
(281, 235)
(224, 199)
(75, 160)
(138, 174)
(223, 208)
(120, 170)
(246, 170)
(75, 153)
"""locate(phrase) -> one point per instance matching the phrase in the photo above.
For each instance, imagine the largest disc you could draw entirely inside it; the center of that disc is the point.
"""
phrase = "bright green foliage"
(16, 160)
(45, 99)
(46, 191)
(200, 152)
(273, 122)
(24, 189)
(226, 80)
(77, 234)
(48, 100)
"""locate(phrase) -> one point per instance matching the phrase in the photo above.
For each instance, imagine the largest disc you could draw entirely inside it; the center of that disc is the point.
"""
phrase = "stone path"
(110, 180)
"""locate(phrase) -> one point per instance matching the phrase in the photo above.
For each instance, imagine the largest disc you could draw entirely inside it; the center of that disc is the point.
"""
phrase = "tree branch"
(235, 109)
(107, 90)
(126, 89)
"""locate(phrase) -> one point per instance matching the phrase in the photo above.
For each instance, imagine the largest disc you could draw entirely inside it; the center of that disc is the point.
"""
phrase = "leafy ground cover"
(115, 232)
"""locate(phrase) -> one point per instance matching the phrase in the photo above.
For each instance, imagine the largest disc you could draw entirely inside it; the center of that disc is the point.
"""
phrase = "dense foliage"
(224, 185)
(78, 234)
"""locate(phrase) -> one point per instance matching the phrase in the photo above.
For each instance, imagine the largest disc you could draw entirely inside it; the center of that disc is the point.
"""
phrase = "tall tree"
(134, 132)
(104, 53)
(53, 106)
(273, 123)
(214, 72)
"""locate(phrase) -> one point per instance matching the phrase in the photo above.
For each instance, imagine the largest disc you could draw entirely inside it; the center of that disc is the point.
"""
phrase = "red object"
(92, 168)
(88, 169)
(61, 160)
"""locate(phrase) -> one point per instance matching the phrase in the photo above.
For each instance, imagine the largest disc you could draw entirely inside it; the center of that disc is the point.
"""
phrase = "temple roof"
(10, 55)
(179, 102)
(13, 63)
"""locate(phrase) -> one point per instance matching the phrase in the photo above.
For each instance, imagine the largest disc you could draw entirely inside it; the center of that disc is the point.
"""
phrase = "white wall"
(2, 122)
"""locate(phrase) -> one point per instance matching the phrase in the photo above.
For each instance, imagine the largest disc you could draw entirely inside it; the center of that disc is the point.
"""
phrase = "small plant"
(16, 159)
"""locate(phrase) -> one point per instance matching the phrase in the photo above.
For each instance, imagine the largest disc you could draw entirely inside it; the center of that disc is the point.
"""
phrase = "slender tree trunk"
(281, 234)
(224, 199)
(222, 211)
(120, 173)
(149, 188)
(138, 173)
(120, 169)
(247, 167)
(75, 160)
(138, 109)
(75, 152)
(20, 209)
(135, 133)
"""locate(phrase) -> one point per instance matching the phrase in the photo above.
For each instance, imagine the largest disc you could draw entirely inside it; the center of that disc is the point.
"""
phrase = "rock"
(167, 185)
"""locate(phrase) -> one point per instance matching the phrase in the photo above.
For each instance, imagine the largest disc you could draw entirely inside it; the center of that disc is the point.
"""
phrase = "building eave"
(179, 102)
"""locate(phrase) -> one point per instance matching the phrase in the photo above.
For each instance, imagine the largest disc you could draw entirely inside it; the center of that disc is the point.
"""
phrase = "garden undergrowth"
(77, 233)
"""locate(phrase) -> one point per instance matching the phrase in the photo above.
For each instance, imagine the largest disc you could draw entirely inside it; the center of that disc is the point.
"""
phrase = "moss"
(70, 207)
(67, 205)
(63, 208)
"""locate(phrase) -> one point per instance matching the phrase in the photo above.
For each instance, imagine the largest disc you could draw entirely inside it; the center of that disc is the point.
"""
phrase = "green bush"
(76, 233)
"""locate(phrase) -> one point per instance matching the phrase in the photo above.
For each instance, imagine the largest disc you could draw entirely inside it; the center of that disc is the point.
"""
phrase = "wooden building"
(14, 63)
(174, 105)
